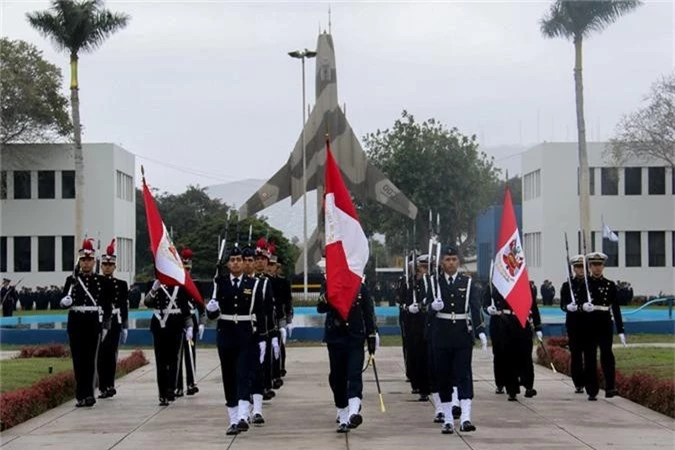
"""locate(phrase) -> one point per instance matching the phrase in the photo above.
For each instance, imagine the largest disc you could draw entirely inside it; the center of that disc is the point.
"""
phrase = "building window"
(533, 249)
(125, 254)
(125, 186)
(3, 254)
(3, 184)
(657, 181)
(22, 184)
(633, 249)
(591, 181)
(68, 184)
(67, 253)
(46, 187)
(22, 254)
(532, 185)
(672, 245)
(633, 181)
(589, 245)
(611, 249)
(609, 181)
(46, 253)
(656, 241)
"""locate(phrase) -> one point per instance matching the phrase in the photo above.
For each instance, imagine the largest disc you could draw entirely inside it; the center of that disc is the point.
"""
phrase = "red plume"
(110, 250)
(271, 248)
(262, 243)
(87, 244)
(186, 253)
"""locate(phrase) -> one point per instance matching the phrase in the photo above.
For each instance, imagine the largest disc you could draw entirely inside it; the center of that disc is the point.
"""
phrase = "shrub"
(44, 351)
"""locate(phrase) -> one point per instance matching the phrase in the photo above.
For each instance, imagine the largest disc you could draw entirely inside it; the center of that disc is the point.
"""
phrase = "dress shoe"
(257, 419)
(512, 397)
(112, 392)
(499, 390)
(89, 401)
(423, 398)
(440, 418)
(578, 390)
(609, 393)
(179, 393)
(104, 394)
(163, 401)
(592, 398)
(355, 420)
(192, 390)
(232, 430)
(447, 428)
(342, 428)
(242, 425)
(529, 393)
(79, 404)
(467, 426)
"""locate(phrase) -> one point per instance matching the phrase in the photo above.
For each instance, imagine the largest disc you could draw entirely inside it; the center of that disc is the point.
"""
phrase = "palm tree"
(576, 20)
(77, 26)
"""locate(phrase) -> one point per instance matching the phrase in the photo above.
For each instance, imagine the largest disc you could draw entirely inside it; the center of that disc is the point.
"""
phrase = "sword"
(192, 362)
(377, 381)
(550, 361)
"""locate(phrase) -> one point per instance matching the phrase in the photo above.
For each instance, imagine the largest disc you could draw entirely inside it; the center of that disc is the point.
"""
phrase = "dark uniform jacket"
(505, 310)
(360, 322)
(265, 295)
(603, 296)
(161, 303)
(283, 300)
(101, 290)
(8, 297)
(120, 303)
(245, 300)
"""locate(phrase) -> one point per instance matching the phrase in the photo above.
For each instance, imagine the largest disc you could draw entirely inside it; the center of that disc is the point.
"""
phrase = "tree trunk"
(78, 157)
(584, 185)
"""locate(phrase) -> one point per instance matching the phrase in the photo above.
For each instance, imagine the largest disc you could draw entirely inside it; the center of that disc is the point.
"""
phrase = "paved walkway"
(302, 415)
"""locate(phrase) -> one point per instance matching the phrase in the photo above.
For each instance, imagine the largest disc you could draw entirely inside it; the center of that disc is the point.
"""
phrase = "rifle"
(250, 233)
(586, 268)
(414, 276)
(98, 254)
(492, 271)
(221, 250)
(569, 269)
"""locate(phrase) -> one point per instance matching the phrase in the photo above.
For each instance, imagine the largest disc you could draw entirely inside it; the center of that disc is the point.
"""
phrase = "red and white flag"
(169, 268)
(346, 244)
(510, 271)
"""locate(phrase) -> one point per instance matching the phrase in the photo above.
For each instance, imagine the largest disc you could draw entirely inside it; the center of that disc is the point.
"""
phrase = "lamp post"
(302, 55)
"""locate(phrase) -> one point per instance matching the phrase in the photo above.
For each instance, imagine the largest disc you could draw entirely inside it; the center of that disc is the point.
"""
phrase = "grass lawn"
(23, 372)
(647, 339)
(659, 362)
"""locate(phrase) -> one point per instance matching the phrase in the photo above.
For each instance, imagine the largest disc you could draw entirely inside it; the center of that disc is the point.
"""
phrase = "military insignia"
(513, 258)
(248, 291)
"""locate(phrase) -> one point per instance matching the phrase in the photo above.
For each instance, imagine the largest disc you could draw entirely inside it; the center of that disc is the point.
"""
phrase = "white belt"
(600, 308)
(235, 318)
(116, 311)
(84, 308)
(170, 311)
(451, 316)
(505, 311)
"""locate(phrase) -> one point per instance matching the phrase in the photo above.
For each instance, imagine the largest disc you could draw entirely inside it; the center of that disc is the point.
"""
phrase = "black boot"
(467, 426)
(89, 401)
(529, 393)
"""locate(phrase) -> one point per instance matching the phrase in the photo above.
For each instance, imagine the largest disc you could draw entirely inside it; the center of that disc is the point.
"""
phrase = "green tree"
(75, 27)
(577, 20)
(649, 132)
(33, 108)
(440, 170)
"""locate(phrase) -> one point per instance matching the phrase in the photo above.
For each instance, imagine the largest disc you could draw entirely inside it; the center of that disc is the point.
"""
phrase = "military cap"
(247, 251)
(109, 256)
(449, 251)
(596, 257)
(186, 257)
(87, 250)
(235, 251)
(577, 260)
(423, 259)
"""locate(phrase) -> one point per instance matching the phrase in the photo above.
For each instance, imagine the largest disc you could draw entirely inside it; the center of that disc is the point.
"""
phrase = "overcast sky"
(208, 86)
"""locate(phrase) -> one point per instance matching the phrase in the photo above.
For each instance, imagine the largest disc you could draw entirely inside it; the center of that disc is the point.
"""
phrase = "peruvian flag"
(346, 243)
(168, 265)
(510, 272)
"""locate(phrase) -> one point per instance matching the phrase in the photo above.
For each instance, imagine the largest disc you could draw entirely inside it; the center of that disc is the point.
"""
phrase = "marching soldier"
(170, 320)
(345, 341)
(8, 298)
(599, 309)
(235, 303)
(278, 305)
(457, 319)
(88, 297)
(570, 302)
(402, 292)
(285, 313)
(119, 326)
(196, 321)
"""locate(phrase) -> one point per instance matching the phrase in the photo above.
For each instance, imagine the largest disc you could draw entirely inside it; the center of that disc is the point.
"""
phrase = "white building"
(636, 201)
(37, 209)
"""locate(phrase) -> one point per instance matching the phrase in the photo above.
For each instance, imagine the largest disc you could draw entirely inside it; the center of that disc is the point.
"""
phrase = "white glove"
(414, 308)
(212, 305)
(483, 341)
(263, 347)
(377, 341)
(492, 310)
(124, 335)
(155, 286)
(437, 304)
(540, 336)
(282, 332)
(572, 307)
(276, 348)
(289, 327)
(66, 301)
(188, 333)
(588, 307)
(623, 339)
(104, 333)
(200, 331)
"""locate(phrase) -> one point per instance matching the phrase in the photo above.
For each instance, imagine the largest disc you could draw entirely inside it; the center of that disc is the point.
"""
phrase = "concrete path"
(302, 415)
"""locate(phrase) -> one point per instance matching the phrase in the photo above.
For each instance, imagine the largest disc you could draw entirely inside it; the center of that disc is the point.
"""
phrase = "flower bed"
(640, 387)
(23, 404)
(44, 351)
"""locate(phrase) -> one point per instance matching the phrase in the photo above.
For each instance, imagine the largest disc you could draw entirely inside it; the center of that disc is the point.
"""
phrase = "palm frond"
(51, 26)
(569, 18)
(556, 23)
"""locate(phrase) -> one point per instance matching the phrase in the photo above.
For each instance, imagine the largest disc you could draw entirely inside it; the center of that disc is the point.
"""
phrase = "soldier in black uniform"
(197, 319)
(278, 303)
(235, 303)
(89, 298)
(170, 320)
(119, 325)
(345, 341)
(599, 310)
(401, 296)
(570, 302)
(8, 298)
(283, 307)
(457, 319)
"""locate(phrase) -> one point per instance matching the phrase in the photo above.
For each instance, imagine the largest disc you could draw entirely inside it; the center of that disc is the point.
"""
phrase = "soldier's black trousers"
(283, 358)
(598, 334)
(402, 325)
(431, 366)
(453, 368)
(84, 335)
(236, 360)
(416, 349)
(575, 337)
(268, 365)
(499, 360)
(107, 357)
(185, 358)
(167, 343)
(515, 350)
(345, 378)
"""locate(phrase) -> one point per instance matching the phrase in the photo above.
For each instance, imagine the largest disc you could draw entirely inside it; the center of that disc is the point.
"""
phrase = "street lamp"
(302, 55)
